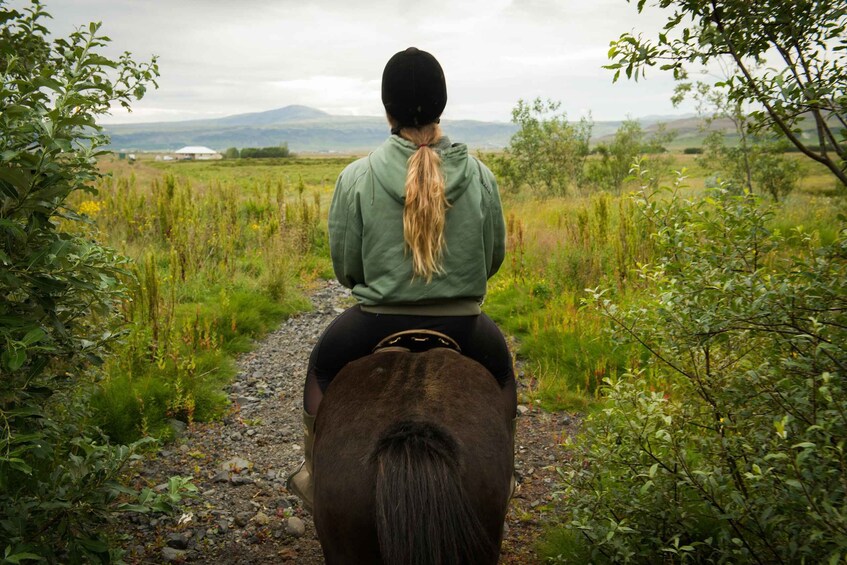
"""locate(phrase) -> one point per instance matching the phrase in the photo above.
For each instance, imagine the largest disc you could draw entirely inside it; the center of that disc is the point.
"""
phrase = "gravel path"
(243, 514)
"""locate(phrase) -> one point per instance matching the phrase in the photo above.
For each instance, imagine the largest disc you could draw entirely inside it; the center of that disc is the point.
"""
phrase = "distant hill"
(311, 130)
(301, 127)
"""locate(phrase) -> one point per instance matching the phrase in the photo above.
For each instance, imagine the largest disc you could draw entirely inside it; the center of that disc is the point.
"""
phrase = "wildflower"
(90, 208)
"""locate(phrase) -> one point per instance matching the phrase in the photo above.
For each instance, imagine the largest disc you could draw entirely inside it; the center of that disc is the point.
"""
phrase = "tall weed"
(216, 265)
(556, 249)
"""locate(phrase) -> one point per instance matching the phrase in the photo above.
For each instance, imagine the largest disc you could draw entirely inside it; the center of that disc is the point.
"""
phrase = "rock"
(262, 519)
(178, 427)
(294, 526)
(242, 519)
(236, 465)
(178, 541)
(222, 477)
(522, 409)
(171, 555)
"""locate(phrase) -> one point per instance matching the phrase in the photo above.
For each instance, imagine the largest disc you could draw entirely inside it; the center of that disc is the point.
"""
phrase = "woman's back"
(367, 242)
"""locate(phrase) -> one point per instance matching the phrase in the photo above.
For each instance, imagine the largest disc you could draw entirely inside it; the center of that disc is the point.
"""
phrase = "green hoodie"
(369, 254)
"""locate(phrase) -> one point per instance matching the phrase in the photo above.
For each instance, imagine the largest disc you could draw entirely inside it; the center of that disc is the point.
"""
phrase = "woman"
(416, 229)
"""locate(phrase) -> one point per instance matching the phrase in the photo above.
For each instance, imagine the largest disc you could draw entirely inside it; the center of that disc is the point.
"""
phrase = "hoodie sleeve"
(345, 234)
(495, 225)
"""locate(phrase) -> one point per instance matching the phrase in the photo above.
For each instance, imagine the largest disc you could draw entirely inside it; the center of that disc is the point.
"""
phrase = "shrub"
(58, 475)
(280, 151)
(734, 451)
(548, 153)
(612, 167)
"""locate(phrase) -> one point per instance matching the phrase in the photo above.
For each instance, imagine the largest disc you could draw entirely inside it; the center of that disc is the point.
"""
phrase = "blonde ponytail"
(426, 204)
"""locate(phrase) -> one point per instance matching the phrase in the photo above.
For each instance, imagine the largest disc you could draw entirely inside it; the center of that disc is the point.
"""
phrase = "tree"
(58, 474)
(752, 162)
(786, 60)
(231, 153)
(547, 153)
(614, 160)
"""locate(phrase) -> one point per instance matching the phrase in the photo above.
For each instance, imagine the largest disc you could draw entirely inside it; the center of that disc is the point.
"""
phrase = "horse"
(413, 460)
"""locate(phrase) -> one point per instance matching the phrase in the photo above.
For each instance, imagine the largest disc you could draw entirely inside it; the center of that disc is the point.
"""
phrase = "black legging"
(355, 333)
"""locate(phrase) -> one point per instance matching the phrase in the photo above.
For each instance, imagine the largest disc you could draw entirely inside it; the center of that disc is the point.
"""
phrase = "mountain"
(311, 130)
(301, 127)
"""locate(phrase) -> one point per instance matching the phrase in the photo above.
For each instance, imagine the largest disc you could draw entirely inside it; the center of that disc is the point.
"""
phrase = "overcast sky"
(224, 57)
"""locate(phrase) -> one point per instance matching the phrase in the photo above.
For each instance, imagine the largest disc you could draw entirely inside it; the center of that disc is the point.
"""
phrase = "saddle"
(417, 341)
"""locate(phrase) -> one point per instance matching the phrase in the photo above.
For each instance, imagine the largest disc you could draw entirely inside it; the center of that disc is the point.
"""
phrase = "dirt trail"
(244, 515)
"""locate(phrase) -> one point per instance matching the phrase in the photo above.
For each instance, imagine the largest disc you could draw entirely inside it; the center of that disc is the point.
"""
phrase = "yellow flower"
(89, 208)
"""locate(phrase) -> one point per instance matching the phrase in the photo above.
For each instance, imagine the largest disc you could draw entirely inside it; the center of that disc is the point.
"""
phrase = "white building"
(197, 152)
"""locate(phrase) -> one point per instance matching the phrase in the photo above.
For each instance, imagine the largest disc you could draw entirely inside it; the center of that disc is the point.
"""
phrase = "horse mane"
(424, 515)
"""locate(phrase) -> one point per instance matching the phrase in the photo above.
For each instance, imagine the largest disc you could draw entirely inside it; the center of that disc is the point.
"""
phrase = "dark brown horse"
(413, 460)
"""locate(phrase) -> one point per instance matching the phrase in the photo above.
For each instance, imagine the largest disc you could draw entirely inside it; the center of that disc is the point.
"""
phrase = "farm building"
(197, 152)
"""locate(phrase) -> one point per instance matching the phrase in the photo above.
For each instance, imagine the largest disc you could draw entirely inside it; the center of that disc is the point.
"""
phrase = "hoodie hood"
(389, 166)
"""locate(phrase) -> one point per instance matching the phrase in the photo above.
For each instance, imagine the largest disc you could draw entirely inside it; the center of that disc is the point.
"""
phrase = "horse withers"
(413, 460)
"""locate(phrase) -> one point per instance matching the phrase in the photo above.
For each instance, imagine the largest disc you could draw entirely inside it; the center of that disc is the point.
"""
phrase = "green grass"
(217, 261)
(559, 545)
(273, 212)
(559, 247)
(565, 351)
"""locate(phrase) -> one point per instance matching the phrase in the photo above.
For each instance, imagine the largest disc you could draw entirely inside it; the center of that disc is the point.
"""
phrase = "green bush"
(280, 151)
(611, 169)
(547, 154)
(734, 451)
(59, 477)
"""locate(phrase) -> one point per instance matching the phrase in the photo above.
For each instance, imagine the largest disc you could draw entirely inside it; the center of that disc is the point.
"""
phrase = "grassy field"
(219, 254)
(221, 251)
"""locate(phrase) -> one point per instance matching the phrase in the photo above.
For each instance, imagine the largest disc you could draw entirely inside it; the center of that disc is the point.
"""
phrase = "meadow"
(222, 251)
(560, 247)
(219, 254)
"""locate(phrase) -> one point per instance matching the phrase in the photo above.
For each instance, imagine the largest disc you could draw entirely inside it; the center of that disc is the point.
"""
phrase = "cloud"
(222, 57)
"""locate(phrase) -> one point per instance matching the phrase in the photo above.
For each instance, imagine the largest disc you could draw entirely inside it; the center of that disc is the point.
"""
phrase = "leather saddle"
(417, 341)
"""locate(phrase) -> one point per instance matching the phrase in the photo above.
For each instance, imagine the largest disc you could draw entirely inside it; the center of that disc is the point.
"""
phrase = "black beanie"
(413, 88)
